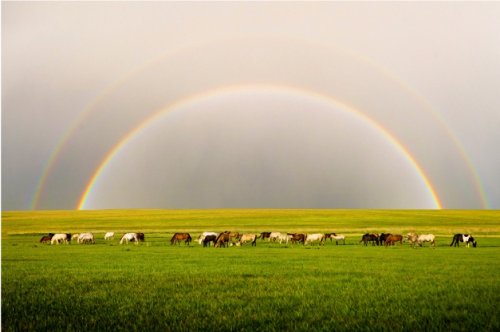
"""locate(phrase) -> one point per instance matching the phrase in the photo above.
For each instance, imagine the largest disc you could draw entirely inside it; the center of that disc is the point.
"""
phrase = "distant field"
(439, 222)
(155, 286)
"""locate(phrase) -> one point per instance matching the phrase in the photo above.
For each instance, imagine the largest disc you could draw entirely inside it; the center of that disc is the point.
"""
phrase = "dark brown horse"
(383, 237)
(140, 237)
(45, 239)
(392, 239)
(330, 236)
(208, 239)
(178, 237)
(222, 240)
(369, 237)
(265, 235)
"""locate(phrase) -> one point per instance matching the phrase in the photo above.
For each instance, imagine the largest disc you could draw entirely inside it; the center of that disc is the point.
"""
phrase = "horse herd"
(224, 239)
(414, 239)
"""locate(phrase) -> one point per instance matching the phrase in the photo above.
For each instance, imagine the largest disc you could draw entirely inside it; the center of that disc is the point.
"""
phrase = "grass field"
(155, 286)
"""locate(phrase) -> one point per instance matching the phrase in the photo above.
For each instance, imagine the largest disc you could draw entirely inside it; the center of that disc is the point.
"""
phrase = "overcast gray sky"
(250, 105)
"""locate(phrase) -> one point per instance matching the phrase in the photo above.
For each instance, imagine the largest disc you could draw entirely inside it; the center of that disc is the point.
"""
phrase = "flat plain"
(270, 287)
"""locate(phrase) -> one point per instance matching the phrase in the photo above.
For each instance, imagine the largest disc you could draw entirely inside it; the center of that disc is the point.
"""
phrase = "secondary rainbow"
(254, 87)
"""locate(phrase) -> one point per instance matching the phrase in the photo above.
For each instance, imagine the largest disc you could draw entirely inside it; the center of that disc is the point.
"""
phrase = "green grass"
(155, 286)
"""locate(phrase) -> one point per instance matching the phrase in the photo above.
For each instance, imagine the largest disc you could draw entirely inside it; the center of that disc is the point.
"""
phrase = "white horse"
(109, 235)
(60, 237)
(426, 238)
(285, 238)
(204, 235)
(315, 237)
(247, 238)
(129, 237)
(75, 236)
(82, 235)
(86, 237)
(411, 237)
(338, 238)
(273, 236)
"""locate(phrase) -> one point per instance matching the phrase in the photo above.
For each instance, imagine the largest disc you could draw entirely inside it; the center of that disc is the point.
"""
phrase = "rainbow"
(47, 170)
(253, 87)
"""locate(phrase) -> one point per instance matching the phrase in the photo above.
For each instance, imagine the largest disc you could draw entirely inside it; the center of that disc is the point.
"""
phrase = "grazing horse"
(86, 237)
(383, 237)
(208, 239)
(282, 238)
(204, 235)
(236, 235)
(273, 236)
(465, 238)
(109, 235)
(223, 239)
(65, 238)
(426, 238)
(265, 235)
(315, 237)
(337, 238)
(178, 237)
(129, 237)
(75, 236)
(392, 239)
(369, 237)
(45, 239)
(411, 237)
(140, 237)
(298, 237)
(247, 238)
(329, 236)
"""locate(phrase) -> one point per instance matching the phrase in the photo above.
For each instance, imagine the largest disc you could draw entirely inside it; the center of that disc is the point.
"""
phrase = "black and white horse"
(465, 238)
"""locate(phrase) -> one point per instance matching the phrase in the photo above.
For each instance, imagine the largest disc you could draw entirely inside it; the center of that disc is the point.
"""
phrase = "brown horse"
(330, 236)
(140, 237)
(223, 239)
(208, 239)
(392, 239)
(45, 239)
(298, 237)
(178, 237)
(236, 235)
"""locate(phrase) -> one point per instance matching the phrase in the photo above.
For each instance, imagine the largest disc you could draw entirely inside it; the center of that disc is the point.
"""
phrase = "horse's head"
(474, 243)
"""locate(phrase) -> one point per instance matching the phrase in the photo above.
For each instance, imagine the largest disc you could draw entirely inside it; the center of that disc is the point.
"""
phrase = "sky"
(205, 105)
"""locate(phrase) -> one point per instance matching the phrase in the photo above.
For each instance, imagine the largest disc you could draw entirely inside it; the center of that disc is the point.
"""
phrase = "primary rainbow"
(254, 87)
(47, 170)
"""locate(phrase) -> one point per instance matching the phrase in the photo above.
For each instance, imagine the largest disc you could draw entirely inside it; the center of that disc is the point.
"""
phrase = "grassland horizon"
(158, 287)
